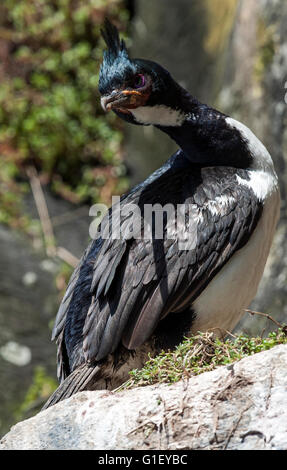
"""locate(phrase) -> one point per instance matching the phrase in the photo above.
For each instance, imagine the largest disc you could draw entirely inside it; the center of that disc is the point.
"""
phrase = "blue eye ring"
(139, 81)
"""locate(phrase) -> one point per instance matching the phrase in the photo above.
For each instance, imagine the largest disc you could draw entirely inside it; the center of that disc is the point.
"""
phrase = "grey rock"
(243, 406)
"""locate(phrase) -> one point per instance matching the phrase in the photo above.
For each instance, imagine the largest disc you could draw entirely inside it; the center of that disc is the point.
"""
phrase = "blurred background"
(59, 154)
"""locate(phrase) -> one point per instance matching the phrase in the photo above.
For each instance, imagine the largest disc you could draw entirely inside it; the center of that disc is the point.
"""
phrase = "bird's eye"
(139, 81)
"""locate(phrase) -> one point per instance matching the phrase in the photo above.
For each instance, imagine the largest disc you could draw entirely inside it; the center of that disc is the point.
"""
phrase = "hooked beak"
(123, 100)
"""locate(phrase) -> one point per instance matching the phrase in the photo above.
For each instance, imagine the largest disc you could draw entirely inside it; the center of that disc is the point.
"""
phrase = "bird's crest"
(116, 46)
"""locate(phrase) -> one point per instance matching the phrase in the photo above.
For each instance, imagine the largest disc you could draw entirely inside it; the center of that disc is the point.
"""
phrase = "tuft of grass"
(200, 353)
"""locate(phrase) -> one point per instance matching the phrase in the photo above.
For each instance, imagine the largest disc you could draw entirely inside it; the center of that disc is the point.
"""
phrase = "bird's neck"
(205, 136)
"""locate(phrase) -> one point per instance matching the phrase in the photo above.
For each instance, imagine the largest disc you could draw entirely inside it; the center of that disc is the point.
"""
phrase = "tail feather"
(77, 381)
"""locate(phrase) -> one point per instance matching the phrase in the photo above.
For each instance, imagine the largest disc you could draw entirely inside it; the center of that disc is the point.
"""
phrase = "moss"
(198, 354)
(220, 16)
(266, 48)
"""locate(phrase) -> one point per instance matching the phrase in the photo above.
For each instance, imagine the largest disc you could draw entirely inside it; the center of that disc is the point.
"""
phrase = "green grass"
(201, 353)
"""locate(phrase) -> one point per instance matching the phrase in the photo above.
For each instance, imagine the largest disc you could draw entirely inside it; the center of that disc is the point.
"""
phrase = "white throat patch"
(160, 115)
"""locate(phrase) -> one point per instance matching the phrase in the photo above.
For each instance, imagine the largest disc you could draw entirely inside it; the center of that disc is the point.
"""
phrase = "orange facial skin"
(123, 100)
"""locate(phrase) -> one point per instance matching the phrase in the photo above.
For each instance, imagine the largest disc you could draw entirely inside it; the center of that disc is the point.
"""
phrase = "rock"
(242, 406)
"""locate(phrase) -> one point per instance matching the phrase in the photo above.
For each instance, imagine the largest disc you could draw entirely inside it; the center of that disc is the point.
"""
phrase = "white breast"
(222, 303)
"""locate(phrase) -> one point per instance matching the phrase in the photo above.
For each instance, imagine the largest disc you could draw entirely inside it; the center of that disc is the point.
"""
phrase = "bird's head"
(139, 91)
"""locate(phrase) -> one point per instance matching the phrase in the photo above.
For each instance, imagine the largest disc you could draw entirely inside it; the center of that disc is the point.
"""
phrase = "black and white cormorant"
(132, 296)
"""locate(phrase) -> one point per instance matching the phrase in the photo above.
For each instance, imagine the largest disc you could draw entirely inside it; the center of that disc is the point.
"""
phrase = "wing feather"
(134, 283)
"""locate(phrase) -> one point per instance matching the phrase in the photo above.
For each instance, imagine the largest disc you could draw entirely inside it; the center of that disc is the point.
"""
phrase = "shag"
(131, 296)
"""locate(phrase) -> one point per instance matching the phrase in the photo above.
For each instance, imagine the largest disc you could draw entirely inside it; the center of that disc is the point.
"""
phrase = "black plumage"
(130, 296)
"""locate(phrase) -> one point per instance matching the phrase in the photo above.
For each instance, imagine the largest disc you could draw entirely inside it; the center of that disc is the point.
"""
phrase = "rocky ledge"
(242, 406)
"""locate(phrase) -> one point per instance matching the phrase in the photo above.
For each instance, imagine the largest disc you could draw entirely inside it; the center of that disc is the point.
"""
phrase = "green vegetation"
(198, 354)
(266, 47)
(218, 12)
(50, 115)
(41, 388)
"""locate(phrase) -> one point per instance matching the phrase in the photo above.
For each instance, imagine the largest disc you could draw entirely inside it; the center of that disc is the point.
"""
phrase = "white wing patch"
(220, 204)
